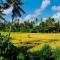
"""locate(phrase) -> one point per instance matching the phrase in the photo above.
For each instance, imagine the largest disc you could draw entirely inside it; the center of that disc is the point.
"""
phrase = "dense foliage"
(48, 26)
(10, 52)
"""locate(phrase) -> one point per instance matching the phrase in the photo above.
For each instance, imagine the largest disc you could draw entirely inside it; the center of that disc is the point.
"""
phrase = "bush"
(21, 56)
(7, 49)
(32, 56)
(57, 53)
(46, 53)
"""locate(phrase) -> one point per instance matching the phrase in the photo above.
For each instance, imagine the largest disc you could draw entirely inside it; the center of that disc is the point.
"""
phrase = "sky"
(38, 9)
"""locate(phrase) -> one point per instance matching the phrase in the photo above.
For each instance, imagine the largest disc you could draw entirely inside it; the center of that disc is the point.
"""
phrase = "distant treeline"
(48, 26)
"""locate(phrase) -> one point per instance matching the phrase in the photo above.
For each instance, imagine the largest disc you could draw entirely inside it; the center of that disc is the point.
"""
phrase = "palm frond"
(22, 3)
(21, 9)
(16, 11)
(3, 19)
(6, 6)
(1, 16)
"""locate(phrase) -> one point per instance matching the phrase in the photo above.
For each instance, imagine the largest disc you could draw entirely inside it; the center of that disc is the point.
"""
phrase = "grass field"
(35, 40)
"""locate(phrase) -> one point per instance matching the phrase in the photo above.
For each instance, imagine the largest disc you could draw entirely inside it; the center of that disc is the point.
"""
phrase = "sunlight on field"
(37, 40)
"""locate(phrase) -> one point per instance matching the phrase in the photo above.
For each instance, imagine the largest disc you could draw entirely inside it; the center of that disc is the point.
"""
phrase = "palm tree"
(1, 11)
(16, 11)
(1, 16)
(42, 25)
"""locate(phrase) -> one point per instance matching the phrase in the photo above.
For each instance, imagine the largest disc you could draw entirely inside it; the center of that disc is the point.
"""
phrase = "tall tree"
(42, 26)
(50, 22)
(16, 4)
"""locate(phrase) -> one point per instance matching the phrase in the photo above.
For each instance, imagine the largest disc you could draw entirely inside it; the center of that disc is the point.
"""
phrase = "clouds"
(38, 11)
(44, 4)
(7, 11)
(56, 16)
(28, 17)
(56, 8)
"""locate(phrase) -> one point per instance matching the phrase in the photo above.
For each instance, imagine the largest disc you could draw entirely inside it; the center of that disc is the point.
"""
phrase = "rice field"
(35, 40)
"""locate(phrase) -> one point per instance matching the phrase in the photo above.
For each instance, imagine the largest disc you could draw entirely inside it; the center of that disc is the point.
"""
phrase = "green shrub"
(32, 56)
(21, 56)
(57, 53)
(46, 53)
